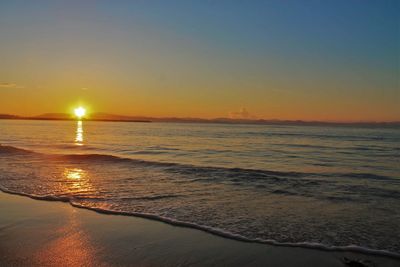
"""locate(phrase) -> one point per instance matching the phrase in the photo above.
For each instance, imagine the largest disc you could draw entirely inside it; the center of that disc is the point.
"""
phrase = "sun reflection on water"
(74, 174)
(77, 181)
(79, 134)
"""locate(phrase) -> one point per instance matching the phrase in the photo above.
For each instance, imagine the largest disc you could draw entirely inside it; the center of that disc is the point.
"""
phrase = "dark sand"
(44, 233)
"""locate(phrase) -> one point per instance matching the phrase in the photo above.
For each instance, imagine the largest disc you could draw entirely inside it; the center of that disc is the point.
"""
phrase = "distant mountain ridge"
(101, 116)
(98, 116)
(55, 116)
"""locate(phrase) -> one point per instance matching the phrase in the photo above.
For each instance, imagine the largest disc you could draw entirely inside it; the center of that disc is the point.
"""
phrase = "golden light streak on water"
(79, 134)
(77, 181)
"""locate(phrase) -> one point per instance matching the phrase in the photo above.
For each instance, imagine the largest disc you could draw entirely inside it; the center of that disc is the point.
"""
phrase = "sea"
(329, 187)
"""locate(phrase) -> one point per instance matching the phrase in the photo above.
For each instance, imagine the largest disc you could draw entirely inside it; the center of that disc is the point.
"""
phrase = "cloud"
(10, 85)
(241, 114)
(84, 88)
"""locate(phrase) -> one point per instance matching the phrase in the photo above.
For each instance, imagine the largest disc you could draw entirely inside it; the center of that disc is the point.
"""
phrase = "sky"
(307, 60)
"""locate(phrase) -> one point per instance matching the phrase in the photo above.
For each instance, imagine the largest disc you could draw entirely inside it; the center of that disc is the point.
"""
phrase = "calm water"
(335, 186)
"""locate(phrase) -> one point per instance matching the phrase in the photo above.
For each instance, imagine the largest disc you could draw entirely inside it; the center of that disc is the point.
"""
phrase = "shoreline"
(185, 234)
(217, 232)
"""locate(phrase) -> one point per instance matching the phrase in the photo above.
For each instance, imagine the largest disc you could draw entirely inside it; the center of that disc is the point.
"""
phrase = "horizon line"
(143, 118)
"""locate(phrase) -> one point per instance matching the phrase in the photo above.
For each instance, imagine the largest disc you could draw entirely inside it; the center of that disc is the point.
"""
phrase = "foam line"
(211, 230)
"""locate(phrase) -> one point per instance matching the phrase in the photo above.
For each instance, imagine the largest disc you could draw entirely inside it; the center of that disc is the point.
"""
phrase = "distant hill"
(8, 116)
(53, 116)
(101, 116)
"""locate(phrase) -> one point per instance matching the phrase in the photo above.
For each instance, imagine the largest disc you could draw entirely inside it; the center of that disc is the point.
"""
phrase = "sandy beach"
(44, 233)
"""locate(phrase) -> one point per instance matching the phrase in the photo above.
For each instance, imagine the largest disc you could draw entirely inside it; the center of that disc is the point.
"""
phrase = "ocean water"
(331, 187)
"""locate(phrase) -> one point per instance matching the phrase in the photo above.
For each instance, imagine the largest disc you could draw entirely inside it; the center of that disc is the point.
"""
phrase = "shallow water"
(335, 186)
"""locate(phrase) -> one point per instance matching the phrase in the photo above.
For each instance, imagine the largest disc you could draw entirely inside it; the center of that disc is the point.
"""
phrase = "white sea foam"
(211, 230)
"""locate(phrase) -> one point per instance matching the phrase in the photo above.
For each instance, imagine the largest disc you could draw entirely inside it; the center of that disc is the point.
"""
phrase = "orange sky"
(197, 60)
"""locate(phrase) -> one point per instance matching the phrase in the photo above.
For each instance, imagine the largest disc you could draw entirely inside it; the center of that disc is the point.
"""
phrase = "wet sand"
(47, 233)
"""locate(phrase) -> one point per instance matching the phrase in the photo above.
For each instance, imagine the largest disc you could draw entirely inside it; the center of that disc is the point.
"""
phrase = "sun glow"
(80, 112)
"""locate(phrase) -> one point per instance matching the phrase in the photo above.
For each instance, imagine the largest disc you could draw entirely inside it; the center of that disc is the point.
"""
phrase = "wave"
(367, 176)
(211, 230)
(153, 197)
(14, 150)
(76, 147)
(230, 173)
(113, 158)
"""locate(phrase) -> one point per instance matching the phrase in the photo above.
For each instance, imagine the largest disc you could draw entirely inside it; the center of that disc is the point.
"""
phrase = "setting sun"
(80, 112)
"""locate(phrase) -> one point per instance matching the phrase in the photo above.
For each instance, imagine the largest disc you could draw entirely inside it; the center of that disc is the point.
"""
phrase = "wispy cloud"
(242, 114)
(10, 85)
